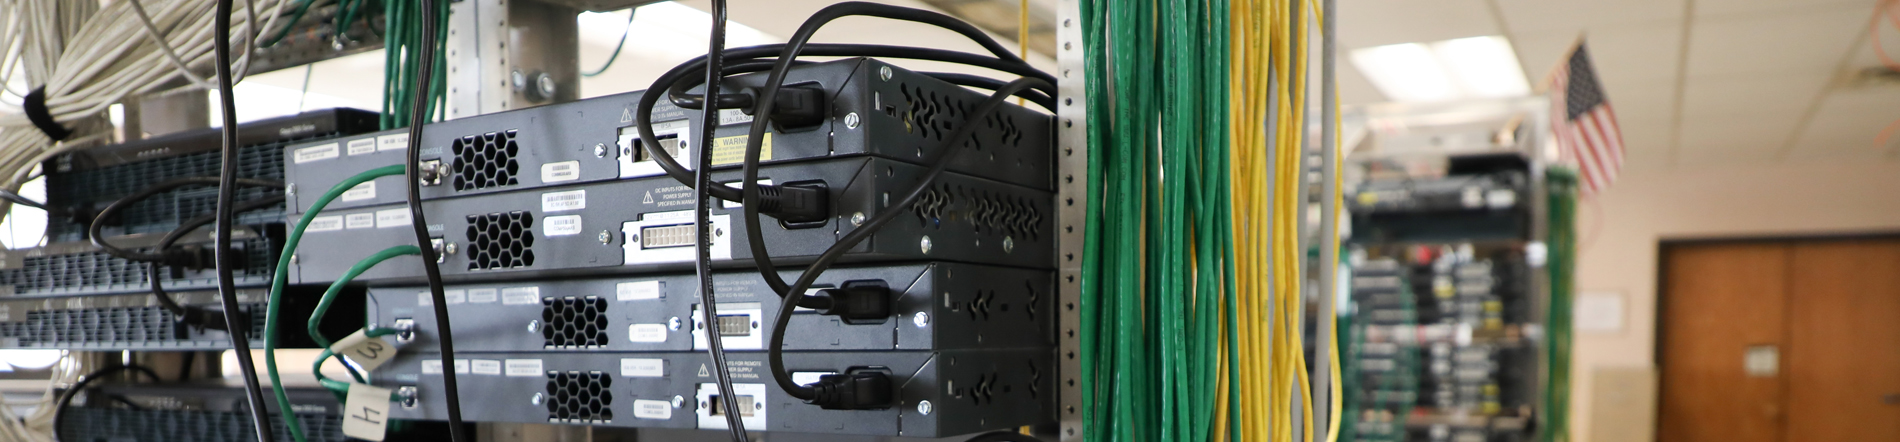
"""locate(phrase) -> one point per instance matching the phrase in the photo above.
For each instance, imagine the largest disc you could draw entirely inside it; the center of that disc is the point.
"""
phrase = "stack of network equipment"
(1442, 346)
(567, 259)
(207, 413)
(70, 294)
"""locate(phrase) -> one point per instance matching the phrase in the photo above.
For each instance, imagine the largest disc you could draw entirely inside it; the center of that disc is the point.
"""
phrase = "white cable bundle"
(88, 57)
(37, 426)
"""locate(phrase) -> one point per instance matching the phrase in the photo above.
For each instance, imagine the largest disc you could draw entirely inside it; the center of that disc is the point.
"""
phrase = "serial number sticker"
(561, 225)
(643, 367)
(485, 366)
(521, 295)
(325, 224)
(364, 191)
(564, 201)
(482, 296)
(362, 146)
(359, 221)
(392, 142)
(315, 153)
(652, 409)
(731, 150)
(646, 332)
(434, 366)
(392, 218)
(523, 367)
(562, 171)
(637, 290)
(454, 297)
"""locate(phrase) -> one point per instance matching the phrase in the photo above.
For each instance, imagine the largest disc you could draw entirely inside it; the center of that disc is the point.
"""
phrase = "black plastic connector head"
(207, 319)
(865, 390)
(795, 107)
(856, 302)
(796, 203)
(190, 257)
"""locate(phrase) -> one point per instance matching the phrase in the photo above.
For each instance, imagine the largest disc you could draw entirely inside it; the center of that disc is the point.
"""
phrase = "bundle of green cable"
(1191, 280)
(1562, 186)
(400, 40)
(280, 278)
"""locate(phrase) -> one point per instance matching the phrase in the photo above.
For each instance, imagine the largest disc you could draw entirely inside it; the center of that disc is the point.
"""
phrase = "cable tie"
(36, 111)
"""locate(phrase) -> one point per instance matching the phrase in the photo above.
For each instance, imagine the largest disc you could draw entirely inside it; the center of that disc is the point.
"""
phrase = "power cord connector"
(863, 390)
(794, 106)
(796, 203)
(856, 302)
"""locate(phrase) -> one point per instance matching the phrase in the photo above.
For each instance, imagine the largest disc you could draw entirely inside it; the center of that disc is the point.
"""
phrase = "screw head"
(448, 249)
(408, 394)
(920, 319)
(518, 79)
(290, 189)
(923, 407)
(546, 83)
(851, 120)
(1009, 244)
(925, 244)
(678, 401)
(884, 72)
(674, 323)
(534, 326)
(600, 150)
(606, 237)
(295, 258)
(538, 399)
(857, 219)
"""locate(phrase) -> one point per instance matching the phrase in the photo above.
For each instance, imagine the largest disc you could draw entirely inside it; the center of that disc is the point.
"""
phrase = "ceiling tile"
(1649, 102)
(1355, 89)
(1761, 129)
(1366, 23)
(1624, 56)
(1646, 145)
(1711, 97)
(1838, 130)
(1715, 8)
(1810, 41)
(1694, 158)
(1865, 54)
(1572, 17)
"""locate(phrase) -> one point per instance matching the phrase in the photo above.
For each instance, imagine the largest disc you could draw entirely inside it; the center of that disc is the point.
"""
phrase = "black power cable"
(66, 397)
(940, 160)
(195, 316)
(702, 219)
(95, 230)
(419, 114)
(227, 194)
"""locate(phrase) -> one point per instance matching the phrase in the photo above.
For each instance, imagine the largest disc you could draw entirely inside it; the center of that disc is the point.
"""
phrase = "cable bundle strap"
(34, 105)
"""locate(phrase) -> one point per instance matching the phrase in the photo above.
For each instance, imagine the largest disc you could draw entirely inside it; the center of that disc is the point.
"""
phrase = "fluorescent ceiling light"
(672, 28)
(1465, 68)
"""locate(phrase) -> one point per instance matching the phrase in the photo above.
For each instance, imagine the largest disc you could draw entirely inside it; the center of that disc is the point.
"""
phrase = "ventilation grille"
(142, 326)
(579, 397)
(121, 424)
(485, 161)
(93, 189)
(98, 271)
(987, 212)
(933, 115)
(574, 322)
(500, 240)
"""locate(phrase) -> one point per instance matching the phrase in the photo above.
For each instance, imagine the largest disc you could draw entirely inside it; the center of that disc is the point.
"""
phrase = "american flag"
(1584, 123)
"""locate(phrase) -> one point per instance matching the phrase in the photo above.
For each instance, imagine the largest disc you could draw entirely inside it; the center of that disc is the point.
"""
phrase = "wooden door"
(1843, 359)
(1718, 301)
(1825, 313)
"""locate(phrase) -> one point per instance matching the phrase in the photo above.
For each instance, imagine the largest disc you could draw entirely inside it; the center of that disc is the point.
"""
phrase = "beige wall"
(1620, 232)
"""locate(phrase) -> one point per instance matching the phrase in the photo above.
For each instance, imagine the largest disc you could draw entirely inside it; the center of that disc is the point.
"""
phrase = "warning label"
(731, 150)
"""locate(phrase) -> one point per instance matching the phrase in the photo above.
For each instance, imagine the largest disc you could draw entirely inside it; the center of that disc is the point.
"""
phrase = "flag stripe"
(1583, 122)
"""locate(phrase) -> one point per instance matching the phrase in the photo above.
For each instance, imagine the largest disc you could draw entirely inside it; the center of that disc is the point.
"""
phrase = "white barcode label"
(562, 171)
(652, 409)
(485, 366)
(362, 146)
(325, 224)
(523, 367)
(392, 142)
(643, 367)
(434, 366)
(646, 333)
(359, 221)
(422, 299)
(454, 297)
(366, 412)
(482, 296)
(563, 201)
(733, 116)
(364, 191)
(637, 290)
(521, 295)
(315, 153)
(392, 218)
(561, 225)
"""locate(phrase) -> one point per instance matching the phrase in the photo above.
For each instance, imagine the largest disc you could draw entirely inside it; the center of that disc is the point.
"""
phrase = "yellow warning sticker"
(731, 150)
